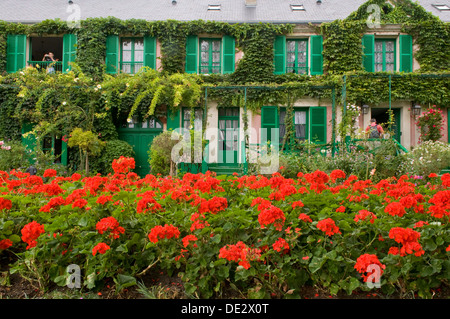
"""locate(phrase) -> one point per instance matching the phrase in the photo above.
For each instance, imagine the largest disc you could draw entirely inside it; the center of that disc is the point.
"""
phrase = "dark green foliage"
(113, 149)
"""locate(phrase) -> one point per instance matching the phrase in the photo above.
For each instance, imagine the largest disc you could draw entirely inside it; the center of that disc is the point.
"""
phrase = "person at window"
(49, 57)
(374, 130)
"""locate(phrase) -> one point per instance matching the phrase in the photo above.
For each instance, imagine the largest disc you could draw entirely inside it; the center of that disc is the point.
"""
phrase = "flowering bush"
(266, 236)
(430, 125)
(426, 158)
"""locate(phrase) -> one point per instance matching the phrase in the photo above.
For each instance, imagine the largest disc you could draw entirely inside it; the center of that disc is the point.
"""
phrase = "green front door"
(228, 136)
(140, 135)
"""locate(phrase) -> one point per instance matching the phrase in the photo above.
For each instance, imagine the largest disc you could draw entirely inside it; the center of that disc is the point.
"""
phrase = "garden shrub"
(160, 154)
(427, 157)
(14, 155)
(113, 149)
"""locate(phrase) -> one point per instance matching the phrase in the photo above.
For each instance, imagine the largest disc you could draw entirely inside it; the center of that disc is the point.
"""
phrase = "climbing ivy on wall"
(342, 55)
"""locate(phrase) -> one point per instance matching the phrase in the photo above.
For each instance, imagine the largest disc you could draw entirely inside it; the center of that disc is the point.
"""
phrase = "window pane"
(378, 67)
(138, 56)
(378, 46)
(126, 56)
(126, 68)
(300, 117)
(378, 57)
(390, 57)
(290, 57)
(302, 46)
(290, 45)
(302, 57)
(216, 57)
(390, 46)
(126, 44)
(216, 45)
(138, 44)
(390, 67)
(204, 45)
(205, 58)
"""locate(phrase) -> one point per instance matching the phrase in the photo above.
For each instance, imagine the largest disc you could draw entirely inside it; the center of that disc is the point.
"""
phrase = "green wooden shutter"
(228, 54)
(279, 54)
(368, 42)
(112, 54)
(16, 45)
(64, 155)
(150, 52)
(30, 140)
(269, 120)
(316, 54)
(191, 54)
(173, 119)
(406, 53)
(318, 125)
(69, 50)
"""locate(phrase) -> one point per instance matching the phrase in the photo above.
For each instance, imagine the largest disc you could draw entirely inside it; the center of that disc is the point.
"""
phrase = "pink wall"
(237, 57)
(158, 56)
(329, 124)
(445, 131)
(256, 125)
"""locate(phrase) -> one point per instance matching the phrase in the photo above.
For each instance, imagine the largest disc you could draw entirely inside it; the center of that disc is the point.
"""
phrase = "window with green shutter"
(292, 55)
(279, 55)
(368, 45)
(228, 54)
(318, 125)
(191, 54)
(384, 52)
(112, 54)
(210, 55)
(16, 45)
(297, 56)
(406, 53)
(269, 124)
(69, 51)
(316, 55)
(300, 125)
(131, 55)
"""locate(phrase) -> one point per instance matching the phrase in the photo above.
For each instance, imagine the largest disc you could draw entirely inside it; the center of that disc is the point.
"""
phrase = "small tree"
(160, 153)
(87, 142)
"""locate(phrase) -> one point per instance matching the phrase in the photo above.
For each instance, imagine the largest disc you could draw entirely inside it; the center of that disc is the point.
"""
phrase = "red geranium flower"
(328, 227)
(123, 164)
(5, 243)
(100, 248)
(161, 232)
(364, 261)
(31, 232)
(5, 203)
(50, 173)
(188, 239)
(395, 209)
(281, 245)
(272, 215)
(111, 224)
(240, 253)
(365, 214)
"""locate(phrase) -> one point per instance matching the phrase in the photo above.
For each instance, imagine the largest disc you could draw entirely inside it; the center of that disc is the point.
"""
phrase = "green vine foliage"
(89, 98)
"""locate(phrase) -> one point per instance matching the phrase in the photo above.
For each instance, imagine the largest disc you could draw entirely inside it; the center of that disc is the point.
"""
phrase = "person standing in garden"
(375, 130)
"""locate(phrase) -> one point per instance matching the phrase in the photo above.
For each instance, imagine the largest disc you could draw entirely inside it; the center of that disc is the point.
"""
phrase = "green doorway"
(228, 136)
(140, 135)
(382, 117)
